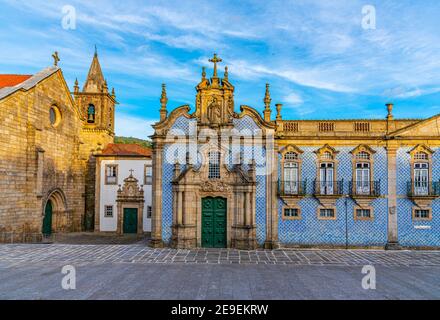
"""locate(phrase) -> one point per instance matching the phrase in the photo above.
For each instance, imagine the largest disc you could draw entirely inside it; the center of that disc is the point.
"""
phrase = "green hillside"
(126, 140)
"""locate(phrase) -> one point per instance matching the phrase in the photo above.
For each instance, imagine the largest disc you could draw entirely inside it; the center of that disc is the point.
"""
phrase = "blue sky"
(320, 62)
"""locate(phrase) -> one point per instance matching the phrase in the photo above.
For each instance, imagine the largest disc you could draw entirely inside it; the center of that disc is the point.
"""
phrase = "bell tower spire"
(95, 82)
(95, 101)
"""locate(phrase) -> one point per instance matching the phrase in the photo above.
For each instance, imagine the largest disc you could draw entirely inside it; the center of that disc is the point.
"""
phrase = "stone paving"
(135, 271)
(142, 254)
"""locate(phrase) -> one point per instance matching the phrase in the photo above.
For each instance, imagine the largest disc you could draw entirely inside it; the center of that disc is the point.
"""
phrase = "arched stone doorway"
(47, 219)
(56, 217)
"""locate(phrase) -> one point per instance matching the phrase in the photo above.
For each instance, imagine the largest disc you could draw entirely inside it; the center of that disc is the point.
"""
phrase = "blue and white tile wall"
(247, 123)
(408, 231)
(309, 230)
(180, 127)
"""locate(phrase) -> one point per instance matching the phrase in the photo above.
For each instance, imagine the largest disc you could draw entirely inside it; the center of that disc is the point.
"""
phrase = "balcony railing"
(364, 188)
(328, 188)
(292, 188)
(423, 189)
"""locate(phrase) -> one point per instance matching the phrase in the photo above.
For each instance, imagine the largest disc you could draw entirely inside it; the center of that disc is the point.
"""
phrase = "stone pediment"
(425, 128)
(130, 190)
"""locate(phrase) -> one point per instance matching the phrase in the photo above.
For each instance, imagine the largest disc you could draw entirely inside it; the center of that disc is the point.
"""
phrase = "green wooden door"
(130, 220)
(214, 222)
(47, 220)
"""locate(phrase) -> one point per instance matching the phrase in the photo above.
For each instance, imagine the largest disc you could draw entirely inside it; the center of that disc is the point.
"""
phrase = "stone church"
(228, 176)
(49, 138)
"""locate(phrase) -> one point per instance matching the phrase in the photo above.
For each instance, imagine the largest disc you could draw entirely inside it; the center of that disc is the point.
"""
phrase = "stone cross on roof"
(215, 60)
(56, 59)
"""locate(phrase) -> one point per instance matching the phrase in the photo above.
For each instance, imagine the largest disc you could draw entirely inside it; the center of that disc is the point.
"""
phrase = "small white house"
(123, 189)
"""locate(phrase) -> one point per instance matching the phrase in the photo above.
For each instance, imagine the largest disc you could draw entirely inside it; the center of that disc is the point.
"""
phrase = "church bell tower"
(96, 103)
(97, 107)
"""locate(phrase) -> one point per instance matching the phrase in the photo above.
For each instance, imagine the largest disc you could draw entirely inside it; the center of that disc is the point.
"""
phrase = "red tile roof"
(120, 149)
(11, 80)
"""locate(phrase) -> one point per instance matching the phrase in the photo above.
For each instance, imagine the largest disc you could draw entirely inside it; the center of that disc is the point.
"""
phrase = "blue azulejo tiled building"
(224, 178)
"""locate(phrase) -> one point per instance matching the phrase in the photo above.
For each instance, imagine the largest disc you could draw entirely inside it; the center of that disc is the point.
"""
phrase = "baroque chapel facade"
(223, 178)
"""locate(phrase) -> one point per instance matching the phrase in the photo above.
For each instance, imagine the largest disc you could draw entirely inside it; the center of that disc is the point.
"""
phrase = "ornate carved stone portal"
(236, 185)
(130, 196)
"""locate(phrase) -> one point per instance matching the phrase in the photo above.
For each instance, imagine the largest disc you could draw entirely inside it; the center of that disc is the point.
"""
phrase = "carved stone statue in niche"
(214, 112)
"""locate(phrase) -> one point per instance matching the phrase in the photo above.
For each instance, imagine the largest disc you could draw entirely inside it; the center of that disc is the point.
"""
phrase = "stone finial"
(176, 169)
(267, 100)
(113, 93)
(56, 58)
(390, 110)
(203, 73)
(252, 166)
(279, 106)
(226, 75)
(163, 103)
(76, 86)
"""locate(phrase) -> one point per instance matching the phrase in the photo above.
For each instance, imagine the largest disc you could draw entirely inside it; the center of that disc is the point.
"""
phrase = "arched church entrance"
(47, 220)
(214, 222)
(56, 217)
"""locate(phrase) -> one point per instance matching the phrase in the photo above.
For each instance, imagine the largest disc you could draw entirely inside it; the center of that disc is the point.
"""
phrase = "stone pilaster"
(271, 194)
(156, 218)
(392, 242)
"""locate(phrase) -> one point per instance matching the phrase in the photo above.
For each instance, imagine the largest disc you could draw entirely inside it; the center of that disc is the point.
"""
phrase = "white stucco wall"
(108, 193)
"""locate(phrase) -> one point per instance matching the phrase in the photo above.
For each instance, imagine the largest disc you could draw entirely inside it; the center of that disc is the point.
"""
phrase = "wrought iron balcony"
(328, 188)
(423, 189)
(364, 188)
(292, 188)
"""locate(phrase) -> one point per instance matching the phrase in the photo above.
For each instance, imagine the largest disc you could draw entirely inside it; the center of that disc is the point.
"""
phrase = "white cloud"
(293, 99)
(327, 78)
(404, 93)
(130, 126)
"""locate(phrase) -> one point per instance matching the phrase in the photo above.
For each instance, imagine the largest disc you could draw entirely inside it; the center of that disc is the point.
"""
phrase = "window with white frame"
(108, 211)
(149, 211)
(327, 213)
(421, 156)
(214, 165)
(363, 213)
(327, 176)
(291, 212)
(363, 155)
(111, 174)
(421, 178)
(422, 214)
(291, 173)
(363, 178)
(327, 155)
(148, 171)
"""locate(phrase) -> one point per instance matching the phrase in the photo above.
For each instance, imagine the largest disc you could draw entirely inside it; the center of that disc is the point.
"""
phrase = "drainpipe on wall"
(346, 221)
